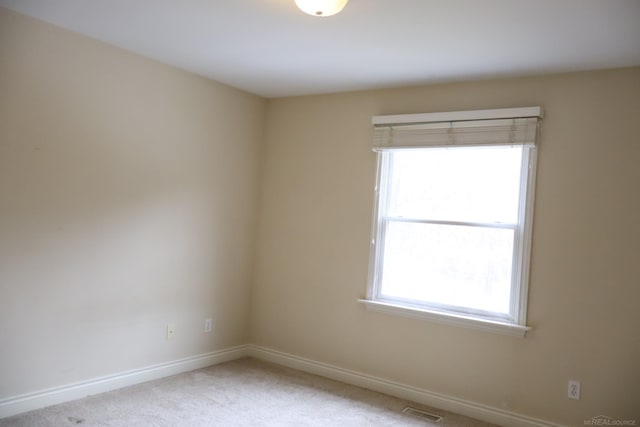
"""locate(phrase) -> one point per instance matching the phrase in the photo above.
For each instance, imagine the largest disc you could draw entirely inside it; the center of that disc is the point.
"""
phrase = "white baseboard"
(463, 407)
(40, 399)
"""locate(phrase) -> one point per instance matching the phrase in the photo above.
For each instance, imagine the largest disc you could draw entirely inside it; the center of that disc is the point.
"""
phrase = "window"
(452, 220)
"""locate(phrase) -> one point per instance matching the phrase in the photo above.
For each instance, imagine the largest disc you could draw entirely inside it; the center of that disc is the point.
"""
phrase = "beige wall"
(128, 193)
(129, 199)
(315, 223)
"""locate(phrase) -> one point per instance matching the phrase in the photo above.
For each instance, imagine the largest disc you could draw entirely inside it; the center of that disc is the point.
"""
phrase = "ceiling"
(270, 48)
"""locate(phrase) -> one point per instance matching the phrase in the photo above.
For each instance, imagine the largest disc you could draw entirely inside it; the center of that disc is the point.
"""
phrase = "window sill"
(494, 326)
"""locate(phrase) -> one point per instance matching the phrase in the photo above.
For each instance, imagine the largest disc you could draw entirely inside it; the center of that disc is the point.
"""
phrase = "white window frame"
(515, 322)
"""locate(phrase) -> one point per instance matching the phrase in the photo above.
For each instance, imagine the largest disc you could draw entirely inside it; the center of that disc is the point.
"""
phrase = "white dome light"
(321, 7)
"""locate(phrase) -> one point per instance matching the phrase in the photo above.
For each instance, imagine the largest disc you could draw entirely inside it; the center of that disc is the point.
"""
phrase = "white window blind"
(506, 127)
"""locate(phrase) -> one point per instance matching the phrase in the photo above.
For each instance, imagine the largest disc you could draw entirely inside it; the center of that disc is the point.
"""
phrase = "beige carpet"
(244, 392)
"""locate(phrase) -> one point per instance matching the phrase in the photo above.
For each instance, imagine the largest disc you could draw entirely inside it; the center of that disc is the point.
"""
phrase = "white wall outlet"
(171, 331)
(208, 325)
(574, 390)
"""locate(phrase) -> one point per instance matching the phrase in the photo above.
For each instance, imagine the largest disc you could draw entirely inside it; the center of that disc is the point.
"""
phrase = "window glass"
(456, 184)
(449, 265)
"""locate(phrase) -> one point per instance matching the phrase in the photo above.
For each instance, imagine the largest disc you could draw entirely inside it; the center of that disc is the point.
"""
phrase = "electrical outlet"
(171, 331)
(574, 390)
(208, 325)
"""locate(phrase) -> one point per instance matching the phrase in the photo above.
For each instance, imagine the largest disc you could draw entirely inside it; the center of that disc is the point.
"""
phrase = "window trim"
(456, 116)
(446, 318)
(515, 323)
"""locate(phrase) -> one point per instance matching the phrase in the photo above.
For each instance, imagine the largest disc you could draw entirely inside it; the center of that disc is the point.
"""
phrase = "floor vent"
(422, 414)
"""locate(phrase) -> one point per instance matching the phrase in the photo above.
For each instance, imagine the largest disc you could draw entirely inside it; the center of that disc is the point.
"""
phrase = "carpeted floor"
(243, 392)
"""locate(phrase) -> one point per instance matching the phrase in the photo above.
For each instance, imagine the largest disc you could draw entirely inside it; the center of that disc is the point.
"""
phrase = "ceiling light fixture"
(321, 7)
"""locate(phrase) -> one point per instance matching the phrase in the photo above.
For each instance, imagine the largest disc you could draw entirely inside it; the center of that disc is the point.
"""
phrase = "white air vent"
(421, 414)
